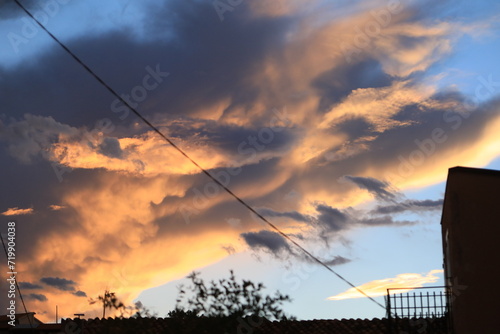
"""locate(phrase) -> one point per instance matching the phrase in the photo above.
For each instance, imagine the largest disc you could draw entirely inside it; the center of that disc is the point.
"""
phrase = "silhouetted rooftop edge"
(461, 169)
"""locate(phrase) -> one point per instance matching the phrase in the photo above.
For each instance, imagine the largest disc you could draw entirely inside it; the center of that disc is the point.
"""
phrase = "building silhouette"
(471, 247)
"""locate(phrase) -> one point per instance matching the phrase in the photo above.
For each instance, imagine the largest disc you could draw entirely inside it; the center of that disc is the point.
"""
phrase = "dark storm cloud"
(376, 187)
(59, 283)
(331, 218)
(36, 296)
(334, 220)
(71, 95)
(354, 127)
(110, 147)
(64, 221)
(195, 208)
(80, 293)
(29, 286)
(268, 240)
(243, 142)
(410, 205)
(216, 58)
(32, 136)
(334, 85)
(297, 216)
(207, 61)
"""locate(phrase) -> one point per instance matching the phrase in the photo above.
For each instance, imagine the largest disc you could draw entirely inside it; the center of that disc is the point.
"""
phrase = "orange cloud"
(379, 287)
(416, 168)
(127, 273)
(377, 105)
(116, 244)
(146, 154)
(17, 212)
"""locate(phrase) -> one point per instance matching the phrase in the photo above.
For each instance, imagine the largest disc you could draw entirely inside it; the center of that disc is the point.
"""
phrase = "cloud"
(136, 225)
(229, 249)
(268, 240)
(36, 296)
(145, 154)
(110, 147)
(410, 205)
(80, 293)
(297, 216)
(332, 221)
(130, 194)
(33, 136)
(29, 286)
(331, 218)
(385, 221)
(376, 187)
(59, 283)
(17, 212)
(337, 260)
(328, 224)
(377, 106)
(56, 207)
(379, 287)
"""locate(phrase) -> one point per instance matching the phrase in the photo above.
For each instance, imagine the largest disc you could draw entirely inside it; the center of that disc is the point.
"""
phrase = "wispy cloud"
(269, 240)
(80, 293)
(410, 205)
(29, 286)
(379, 287)
(17, 212)
(59, 283)
(380, 189)
(55, 207)
(36, 296)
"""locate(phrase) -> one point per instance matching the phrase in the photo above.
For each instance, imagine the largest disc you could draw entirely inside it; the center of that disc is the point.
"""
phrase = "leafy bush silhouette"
(228, 298)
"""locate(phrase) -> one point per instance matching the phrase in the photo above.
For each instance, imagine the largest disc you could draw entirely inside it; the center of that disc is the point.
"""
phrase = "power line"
(155, 129)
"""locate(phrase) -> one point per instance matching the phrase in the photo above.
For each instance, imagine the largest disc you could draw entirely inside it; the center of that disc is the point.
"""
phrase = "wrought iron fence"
(418, 310)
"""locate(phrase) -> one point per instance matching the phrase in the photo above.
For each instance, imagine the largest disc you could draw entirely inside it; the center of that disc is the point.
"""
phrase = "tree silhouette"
(110, 301)
(228, 298)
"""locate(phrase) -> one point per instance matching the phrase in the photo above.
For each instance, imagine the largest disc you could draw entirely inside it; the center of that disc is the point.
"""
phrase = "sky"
(337, 121)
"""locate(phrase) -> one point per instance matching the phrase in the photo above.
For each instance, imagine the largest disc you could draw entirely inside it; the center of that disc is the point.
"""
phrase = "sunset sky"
(335, 120)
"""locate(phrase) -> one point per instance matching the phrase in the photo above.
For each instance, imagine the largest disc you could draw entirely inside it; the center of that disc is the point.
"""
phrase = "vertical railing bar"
(435, 306)
(441, 303)
(415, 304)
(428, 303)
(421, 300)
(422, 304)
(402, 303)
(408, 304)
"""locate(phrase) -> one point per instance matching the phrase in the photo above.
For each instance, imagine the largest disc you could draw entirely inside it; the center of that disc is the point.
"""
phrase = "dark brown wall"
(471, 247)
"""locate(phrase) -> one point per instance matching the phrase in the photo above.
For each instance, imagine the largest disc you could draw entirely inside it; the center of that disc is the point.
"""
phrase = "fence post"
(388, 310)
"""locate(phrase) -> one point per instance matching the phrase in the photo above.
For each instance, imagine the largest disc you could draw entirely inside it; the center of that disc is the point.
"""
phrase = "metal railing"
(418, 311)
